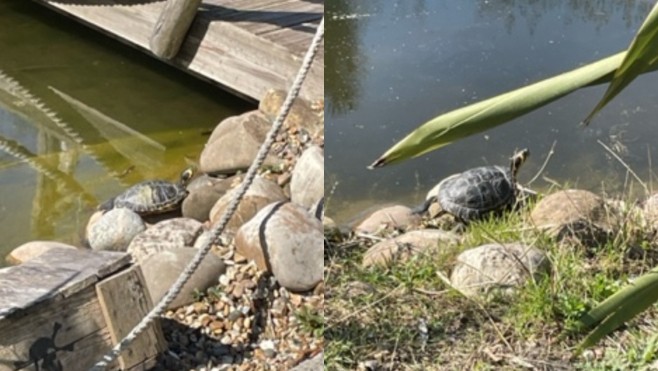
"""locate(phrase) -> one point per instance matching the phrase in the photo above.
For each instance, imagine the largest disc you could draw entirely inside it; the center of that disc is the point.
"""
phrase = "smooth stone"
(234, 143)
(93, 219)
(388, 218)
(115, 229)
(574, 214)
(301, 114)
(307, 183)
(497, 266)
(161, 269)
(261, 193)
(286, 240)
(171, 233)
(200, 200)
(403, 247)
(32, 249)
(203, 180)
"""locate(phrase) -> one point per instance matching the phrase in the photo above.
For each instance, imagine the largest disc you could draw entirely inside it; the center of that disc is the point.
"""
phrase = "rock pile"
(263, 304)
(570, 217)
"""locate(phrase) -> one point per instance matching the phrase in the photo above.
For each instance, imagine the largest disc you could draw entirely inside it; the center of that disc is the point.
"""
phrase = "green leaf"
(623, 307)
(492, 112)
(641, 57)
(647, 281)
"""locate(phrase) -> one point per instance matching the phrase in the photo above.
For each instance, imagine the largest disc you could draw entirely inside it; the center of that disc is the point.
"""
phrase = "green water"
(120, 117)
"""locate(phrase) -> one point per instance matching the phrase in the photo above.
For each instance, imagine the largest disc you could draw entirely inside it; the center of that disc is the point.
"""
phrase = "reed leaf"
(641, 56)
(620, 307)
(497, 110)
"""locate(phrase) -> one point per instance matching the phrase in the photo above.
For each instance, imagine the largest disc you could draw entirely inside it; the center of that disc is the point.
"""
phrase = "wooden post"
(66, 308)
(172, 26)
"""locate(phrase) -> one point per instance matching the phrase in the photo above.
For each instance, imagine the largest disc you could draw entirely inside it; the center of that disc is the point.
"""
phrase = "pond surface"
(393, 65)
(82, 117)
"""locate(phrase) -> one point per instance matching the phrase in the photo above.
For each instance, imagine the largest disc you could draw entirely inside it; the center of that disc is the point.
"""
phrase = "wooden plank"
(57, 273)
(68, 333)
(124, 301)
(172, 26)
(223, 44)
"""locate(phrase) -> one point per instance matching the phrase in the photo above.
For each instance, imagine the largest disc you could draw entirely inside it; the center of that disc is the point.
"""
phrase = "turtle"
(152, 196)
(477, 192)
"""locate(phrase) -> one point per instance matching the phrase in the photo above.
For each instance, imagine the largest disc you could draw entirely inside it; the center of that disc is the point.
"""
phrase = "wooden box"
(66, 308)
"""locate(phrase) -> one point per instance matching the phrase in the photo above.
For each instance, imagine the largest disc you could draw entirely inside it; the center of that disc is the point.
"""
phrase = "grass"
(406, 318)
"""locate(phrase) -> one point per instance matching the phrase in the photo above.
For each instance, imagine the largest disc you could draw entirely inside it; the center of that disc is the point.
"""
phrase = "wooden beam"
(172, 26)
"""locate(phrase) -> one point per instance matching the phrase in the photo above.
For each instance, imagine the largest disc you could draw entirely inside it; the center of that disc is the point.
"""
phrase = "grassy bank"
(407, 318)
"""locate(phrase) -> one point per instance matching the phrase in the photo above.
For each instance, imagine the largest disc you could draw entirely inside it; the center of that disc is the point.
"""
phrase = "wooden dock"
(245, 46)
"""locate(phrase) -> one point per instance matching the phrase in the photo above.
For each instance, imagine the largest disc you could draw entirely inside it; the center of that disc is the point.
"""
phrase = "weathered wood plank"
(58, 272)
(124, 301)
(228, 42)
(172, 26)
(69, 333)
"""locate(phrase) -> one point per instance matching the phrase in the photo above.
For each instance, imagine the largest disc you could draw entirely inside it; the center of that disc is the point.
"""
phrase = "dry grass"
(406, 318)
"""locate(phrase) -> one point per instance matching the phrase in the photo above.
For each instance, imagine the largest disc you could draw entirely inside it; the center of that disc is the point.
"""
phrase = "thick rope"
(161, 307)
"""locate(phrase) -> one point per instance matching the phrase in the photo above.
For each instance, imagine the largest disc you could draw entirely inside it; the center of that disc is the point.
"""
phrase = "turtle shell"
(150, 197)
(476, 192)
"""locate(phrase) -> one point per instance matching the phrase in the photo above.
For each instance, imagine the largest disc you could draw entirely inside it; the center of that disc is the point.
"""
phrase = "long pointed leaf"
(642, 55)
(647, 281)
(492, 112)
(629, 309)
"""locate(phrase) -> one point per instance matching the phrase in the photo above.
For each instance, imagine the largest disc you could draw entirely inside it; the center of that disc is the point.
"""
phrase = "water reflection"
(346, 64)
(82, 117)
(393, 65)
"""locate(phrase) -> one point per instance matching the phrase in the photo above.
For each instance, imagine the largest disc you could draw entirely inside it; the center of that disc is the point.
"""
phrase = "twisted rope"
(160, 308)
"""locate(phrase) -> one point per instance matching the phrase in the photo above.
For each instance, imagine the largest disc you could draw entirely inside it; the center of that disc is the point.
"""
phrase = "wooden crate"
(66, 308)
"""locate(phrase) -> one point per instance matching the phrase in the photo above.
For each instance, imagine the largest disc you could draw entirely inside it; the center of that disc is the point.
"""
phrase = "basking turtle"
(151, 196)
(475, 193)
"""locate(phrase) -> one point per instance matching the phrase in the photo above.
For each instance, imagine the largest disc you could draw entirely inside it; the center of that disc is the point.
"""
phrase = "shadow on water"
(393, 65)
(82, 117)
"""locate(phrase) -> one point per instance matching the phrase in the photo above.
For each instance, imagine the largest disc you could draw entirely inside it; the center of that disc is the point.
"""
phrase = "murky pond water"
(393, 65)
(82, 117)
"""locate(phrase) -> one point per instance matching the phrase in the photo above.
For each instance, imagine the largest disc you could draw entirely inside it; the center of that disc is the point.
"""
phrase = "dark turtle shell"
(149, 197)
(476, 192)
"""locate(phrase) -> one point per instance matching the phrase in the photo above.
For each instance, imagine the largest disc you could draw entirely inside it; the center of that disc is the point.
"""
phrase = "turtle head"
(518, 159)
(187, 175)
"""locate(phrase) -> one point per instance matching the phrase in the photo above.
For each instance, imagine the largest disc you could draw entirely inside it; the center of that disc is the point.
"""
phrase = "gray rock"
(286, 240)
(575, 215)
(115, 229)
(261, 193)
(202, 197)
(203, 180)
(95, 217)
(388, 218)
(161, 269)
(497, 266)
(234, 143)
(314, 364)
(307, 183)
(33, 249)
(401, 248)
(171, 233)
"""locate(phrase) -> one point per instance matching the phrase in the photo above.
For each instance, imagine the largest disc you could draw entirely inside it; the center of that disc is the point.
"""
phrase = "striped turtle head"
(517, 160)
(187, 175)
